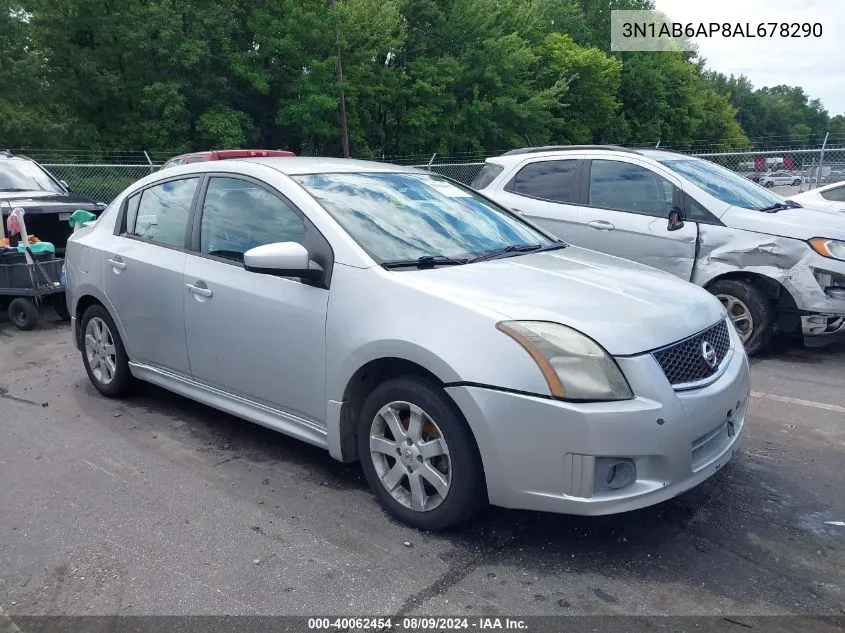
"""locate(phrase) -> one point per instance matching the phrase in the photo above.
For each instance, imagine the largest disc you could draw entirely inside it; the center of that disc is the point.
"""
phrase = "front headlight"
(575, 366)
(835, 249)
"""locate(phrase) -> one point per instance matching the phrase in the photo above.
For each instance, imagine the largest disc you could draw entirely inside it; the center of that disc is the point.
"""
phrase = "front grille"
(684, 362)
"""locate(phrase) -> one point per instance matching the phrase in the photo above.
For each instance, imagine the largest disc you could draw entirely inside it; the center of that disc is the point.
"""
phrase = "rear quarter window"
(487, 175)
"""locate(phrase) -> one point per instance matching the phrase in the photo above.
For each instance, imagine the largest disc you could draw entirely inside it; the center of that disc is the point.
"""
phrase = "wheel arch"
(343, 444)
(786, 317)
(773, 289)
(86, 300)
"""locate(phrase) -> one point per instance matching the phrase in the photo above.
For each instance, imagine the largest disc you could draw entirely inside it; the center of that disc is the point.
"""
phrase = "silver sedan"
(392, 316)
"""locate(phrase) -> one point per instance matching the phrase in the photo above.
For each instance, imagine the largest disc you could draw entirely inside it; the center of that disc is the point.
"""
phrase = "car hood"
(626, 307)
(799, 224)
(46, 201)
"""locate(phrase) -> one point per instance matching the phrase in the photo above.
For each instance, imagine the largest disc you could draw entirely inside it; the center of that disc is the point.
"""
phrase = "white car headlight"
(835, 249)
(575, 366)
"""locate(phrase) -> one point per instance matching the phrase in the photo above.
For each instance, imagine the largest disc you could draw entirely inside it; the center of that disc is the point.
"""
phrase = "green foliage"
(418, 76)
(784, 113)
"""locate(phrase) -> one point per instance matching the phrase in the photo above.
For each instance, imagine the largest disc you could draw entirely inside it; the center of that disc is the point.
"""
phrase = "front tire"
(796, 182)
(103, 353)
(419, 455)
(750, 310)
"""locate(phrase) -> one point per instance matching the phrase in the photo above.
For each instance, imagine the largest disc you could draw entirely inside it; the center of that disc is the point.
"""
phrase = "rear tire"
(419, 455)
(23, 313)
(751, 311)
(103, 353)
(796, 182)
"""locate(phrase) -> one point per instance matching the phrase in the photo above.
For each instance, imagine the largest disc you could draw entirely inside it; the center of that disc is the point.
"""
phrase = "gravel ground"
(157, 505)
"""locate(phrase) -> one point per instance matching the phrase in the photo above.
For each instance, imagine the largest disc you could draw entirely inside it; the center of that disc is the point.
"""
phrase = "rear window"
(487, 175)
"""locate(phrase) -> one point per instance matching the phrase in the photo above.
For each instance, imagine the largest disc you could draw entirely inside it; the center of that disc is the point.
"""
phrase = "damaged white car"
(772, 263)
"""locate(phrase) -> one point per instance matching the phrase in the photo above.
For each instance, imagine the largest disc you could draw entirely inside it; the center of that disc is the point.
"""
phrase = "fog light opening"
(619, 474)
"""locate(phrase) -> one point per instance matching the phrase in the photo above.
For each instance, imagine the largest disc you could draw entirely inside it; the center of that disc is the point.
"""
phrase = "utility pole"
(341, 98)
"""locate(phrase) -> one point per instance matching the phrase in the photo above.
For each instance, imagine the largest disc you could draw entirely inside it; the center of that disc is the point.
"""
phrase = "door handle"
(601, 225)
(518, 211)
(116, 263)
(199, 290)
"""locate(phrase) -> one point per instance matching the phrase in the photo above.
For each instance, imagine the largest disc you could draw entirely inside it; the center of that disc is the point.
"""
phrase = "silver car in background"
(391, 316)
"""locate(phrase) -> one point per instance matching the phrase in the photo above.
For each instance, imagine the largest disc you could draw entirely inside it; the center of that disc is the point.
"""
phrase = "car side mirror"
(283, 259)
(676, 219)
(64, 184)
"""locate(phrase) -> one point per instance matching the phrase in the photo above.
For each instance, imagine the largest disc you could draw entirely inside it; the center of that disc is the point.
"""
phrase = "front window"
(628, 187)
(238, 215)
(400, 216)
(724, 184)
(25, 175)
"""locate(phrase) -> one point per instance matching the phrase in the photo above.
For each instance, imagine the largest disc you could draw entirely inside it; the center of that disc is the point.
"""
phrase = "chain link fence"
(785, 171)
(101, 182)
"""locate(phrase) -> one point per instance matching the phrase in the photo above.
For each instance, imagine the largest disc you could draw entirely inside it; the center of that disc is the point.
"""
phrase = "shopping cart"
(25, 287)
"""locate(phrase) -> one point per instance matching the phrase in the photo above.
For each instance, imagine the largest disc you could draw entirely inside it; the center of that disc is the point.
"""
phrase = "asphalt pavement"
(156, 505)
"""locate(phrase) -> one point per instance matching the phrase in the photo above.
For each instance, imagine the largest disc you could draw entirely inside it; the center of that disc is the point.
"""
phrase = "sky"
(817, 65)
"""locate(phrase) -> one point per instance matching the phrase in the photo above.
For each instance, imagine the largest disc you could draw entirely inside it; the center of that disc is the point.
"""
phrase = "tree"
(419, 76)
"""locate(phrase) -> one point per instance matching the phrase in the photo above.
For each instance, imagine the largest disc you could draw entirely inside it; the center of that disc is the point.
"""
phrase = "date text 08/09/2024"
(416, 624)
(722, 29)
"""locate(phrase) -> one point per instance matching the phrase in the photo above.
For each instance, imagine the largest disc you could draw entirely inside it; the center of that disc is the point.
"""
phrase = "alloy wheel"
(410, 456)
(739, 314)
(100, 351)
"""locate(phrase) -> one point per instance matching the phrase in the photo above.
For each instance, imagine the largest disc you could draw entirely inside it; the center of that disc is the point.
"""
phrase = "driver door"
(624, 212)
(257, 336)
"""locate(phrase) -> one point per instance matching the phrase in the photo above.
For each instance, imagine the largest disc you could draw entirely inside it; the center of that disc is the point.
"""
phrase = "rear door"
(543, 190)
(624, 212)
(143, 266)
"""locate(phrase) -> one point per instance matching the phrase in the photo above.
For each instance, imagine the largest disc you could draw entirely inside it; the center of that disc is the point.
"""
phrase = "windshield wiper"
(426, 261)
(777, 206)
(516, 249)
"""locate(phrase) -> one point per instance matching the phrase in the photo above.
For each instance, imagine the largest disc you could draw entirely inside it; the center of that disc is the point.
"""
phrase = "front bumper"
(821, 329)
(815, 285)
(548, 455)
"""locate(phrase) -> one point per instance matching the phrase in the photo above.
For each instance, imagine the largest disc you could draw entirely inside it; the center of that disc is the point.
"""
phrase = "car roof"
(6, 155)
(556, 150)
(662, 154)
(296, 165)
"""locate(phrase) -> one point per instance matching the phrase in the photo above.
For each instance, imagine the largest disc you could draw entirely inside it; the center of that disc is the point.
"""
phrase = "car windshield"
(18, 174)
(724, 184)
(405, 216)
